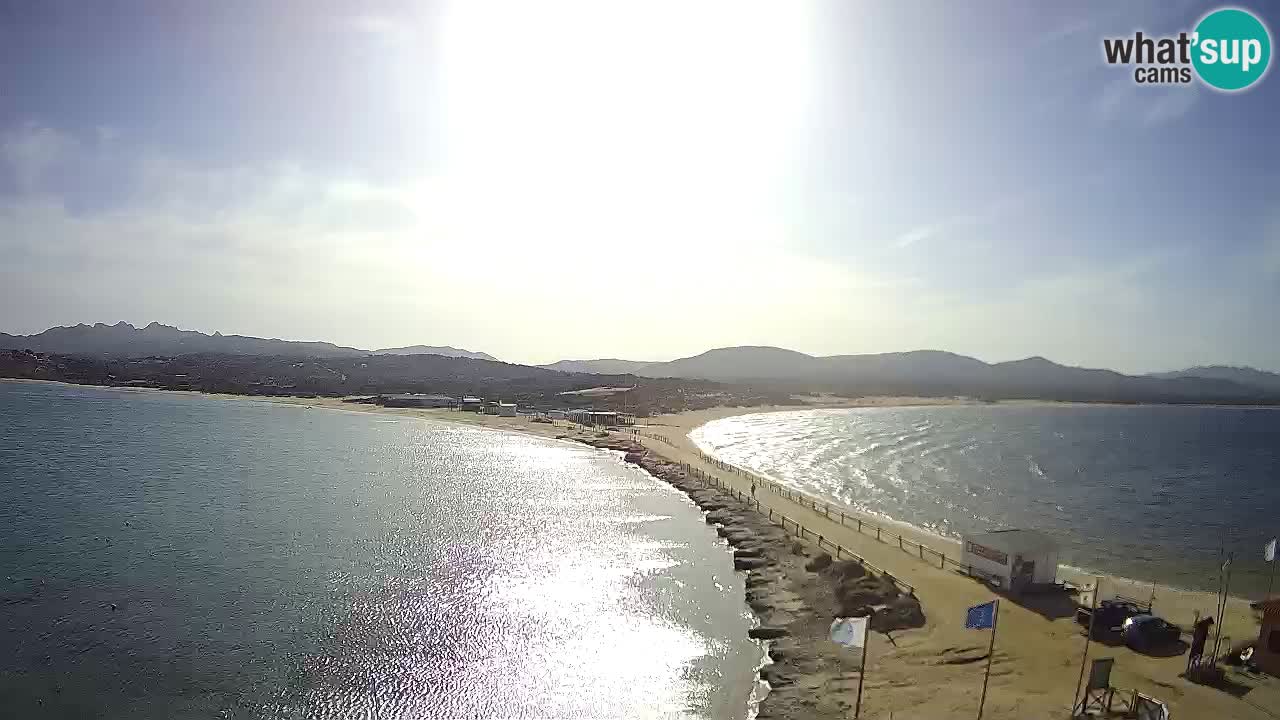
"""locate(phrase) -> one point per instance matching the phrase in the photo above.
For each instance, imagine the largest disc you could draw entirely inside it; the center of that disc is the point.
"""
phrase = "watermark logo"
(1229, 50)
(1235, 49)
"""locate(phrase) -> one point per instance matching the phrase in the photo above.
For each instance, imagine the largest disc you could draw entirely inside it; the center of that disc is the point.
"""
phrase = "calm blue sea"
(175, 556)
(1153, 493)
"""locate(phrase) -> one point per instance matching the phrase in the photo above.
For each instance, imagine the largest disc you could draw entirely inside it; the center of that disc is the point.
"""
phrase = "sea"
(1161, 494)
(170, 555)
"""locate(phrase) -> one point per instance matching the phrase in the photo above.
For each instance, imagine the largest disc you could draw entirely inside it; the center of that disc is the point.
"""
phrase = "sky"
(582, 179)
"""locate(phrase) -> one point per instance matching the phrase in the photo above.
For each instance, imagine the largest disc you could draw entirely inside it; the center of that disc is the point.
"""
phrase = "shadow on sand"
(1173, 649)
(1115, 639)
(1051, 605)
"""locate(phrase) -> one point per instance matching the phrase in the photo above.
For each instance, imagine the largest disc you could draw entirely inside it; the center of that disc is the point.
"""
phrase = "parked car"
(1111, 615)
(1148, 632)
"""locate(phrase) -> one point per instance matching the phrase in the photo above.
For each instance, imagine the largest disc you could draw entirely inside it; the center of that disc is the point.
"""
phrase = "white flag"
(849, 632)
(1269, 551)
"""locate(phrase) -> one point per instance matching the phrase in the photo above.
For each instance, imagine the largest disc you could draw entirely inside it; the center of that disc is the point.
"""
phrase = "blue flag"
(981, 616)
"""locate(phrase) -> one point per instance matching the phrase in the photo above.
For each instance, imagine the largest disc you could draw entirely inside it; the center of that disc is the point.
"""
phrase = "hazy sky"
(543, 180)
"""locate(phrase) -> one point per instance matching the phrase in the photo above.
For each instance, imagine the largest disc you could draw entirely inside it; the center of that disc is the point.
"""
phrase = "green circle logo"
(1232, 49)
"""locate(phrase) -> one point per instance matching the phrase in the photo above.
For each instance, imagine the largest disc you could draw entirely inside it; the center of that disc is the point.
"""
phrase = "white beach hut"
(1014, 560)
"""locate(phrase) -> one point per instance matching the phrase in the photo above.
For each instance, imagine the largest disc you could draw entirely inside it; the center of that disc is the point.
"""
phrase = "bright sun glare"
(582, 121)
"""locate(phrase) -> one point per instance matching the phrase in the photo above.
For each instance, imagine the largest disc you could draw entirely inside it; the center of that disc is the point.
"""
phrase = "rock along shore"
(795, 590)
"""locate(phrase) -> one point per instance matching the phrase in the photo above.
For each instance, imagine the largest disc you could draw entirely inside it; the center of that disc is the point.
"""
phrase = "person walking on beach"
(753, 488)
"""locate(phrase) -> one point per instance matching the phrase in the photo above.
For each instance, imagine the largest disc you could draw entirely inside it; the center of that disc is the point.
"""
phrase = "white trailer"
(1014, 560)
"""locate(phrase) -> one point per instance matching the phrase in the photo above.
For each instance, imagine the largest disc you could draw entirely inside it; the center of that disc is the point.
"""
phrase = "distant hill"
(738, 363)
(938, 373)
(445, 350)
(365, 376)
(125, 340)
(1243, 375)
(604, 366)
(768, 370)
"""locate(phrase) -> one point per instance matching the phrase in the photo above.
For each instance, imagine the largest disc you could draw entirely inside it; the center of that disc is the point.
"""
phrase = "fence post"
(921, 552)
(859, 524)
(878, 534)
(900, 543)
(942, 564)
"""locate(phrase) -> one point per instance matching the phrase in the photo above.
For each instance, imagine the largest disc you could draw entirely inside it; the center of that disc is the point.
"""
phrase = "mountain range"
(606, 366)
(1242, 375)
(445, 350)
(934, 372)
(124, 340)
(919, 372)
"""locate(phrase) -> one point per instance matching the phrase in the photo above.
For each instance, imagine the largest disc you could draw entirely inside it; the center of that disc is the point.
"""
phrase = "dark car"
(1148, 632)
(1109, 617)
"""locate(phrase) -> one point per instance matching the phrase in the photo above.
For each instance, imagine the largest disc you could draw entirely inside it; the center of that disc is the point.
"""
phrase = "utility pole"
(1093, 616)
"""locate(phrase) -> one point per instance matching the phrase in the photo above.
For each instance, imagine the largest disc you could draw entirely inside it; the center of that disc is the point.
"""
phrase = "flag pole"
(862, 672)
(1093, 615)
(1271, 583)
(1222, 606)
(991, 651)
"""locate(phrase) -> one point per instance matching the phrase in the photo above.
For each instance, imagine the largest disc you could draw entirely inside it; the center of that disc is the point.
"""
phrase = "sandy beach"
(914, 674)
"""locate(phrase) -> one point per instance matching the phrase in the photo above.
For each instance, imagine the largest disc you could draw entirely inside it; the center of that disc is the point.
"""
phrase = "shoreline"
(792, 586)
(1156, 676)
(927, 534)
(915, 671)
(693, 419)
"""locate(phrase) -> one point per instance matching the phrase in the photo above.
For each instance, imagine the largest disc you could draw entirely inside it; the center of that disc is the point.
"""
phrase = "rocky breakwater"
(796, 591)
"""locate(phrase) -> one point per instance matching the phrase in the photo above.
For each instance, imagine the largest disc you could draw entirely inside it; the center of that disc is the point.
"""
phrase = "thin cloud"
(915, 235)
(1125, 103)
(1270, 255)
(1171, 106)
(993, 211)
(31, 151)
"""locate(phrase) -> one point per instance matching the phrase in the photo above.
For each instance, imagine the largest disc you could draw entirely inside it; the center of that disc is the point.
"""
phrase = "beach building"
(601, 417)
(1267, 652)
(472, 404)
(506, 409)
(1014, 560)
(417, 400)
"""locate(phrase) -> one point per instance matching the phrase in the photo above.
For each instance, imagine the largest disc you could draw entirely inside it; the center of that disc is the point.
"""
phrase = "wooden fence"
(844, 516)
(791, 526)
(853, 521)
(882, 534)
